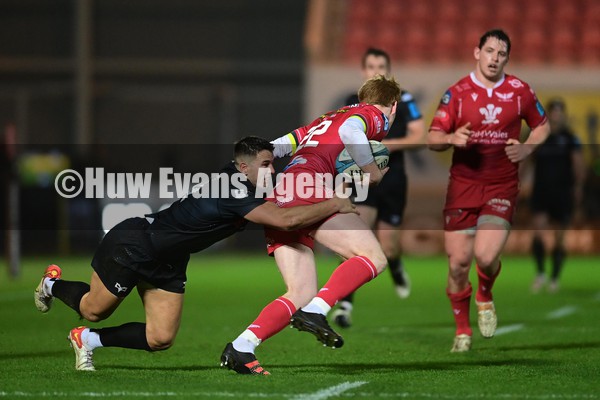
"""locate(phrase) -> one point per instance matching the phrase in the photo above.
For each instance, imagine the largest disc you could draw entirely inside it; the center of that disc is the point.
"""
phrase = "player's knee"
(379, 260)
(485, 260)
(93, 314)
(160, 341)
(459, 269)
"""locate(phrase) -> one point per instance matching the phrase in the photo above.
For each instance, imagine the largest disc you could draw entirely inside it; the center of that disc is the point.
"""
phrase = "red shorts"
(467, 201)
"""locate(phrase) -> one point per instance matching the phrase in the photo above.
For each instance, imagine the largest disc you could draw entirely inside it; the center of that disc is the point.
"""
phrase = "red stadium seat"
(534, 45)
(536, 12)
(563, 45)
(446, 40)
(589, 50)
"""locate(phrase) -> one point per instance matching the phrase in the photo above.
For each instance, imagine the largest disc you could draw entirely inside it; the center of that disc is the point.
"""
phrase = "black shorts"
(389, 197)
(558, 205)
(125, 257)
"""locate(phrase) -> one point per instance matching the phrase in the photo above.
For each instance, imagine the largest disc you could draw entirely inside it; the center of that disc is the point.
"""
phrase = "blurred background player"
(383, 210)
(315, 149)
(480, 117)
(557, 191)
(153, 256)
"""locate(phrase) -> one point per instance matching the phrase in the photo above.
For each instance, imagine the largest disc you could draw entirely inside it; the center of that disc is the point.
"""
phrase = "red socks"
(273, 318)
(460, 306)
(349, 276)
(484, 291)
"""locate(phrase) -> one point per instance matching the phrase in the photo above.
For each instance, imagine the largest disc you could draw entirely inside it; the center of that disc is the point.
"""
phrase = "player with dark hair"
(480, 117)
(557, 190)
(315, 148)
(383, 210)
(154, 255)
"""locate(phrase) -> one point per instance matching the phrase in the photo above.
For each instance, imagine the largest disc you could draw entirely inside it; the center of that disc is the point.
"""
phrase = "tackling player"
(153, 256)
(383, 209)
(318, 146)
(480, 117)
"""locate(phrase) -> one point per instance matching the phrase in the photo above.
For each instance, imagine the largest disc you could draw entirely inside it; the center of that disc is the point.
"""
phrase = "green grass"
(399, 348)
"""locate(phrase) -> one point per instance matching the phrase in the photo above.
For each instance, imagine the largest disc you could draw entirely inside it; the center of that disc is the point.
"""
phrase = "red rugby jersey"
(495, 115)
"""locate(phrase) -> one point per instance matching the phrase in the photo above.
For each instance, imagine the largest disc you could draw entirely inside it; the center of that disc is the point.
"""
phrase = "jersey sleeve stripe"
(293, 141)
(361, 119)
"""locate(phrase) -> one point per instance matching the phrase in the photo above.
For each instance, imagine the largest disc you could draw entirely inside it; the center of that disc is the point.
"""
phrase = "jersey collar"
(481, 85)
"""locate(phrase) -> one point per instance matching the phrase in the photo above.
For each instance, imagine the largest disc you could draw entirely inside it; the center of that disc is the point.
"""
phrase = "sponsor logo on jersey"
(474, 96)
(446, 98)
(505, 97)
(295, 161)
(515, 83)
(239, 193)
(377, 123)
(441, 114)
(490, 114)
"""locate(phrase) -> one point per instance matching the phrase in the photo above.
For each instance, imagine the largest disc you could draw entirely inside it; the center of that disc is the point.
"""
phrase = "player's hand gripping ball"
(344, 164)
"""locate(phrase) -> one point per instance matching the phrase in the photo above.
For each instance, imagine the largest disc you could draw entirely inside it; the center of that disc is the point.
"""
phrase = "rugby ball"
(344, 164)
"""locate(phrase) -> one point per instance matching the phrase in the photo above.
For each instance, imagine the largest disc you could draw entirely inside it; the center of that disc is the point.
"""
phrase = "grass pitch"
(548, 346)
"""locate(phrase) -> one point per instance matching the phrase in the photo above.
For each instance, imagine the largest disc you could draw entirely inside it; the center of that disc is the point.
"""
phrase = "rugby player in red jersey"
(318, 146)
(480, 117)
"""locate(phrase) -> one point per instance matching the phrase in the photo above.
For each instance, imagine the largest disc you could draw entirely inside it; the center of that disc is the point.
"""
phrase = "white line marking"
(561, 312)
(367, 395)
(503, 330)
(330, 391)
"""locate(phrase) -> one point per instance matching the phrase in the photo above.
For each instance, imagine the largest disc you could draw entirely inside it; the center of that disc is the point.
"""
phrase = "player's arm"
(443, 133)
(517, 151)
(292, 218)
(408, 112)
(353, 133)
(285, 145)
(415, 137)
(439, 140)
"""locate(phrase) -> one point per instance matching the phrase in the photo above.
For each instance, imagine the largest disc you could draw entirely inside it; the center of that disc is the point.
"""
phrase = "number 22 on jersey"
(309, 140)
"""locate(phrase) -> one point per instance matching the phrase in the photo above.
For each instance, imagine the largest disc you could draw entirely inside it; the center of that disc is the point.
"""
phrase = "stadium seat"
(589, 50)
(446, 40)
(534, 45)
(536, 12)
(563, 45)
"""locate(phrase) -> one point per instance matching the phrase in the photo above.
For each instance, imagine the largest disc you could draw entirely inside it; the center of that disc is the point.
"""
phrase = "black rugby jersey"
(192, 224)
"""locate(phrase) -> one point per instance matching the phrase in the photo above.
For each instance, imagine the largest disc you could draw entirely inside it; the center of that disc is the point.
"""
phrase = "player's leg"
(351, 238)
(342, 316)
(163, 316)
(390, 243)
(492, 233)
(93, 302)
(297, 266)
(348, 236)
(558, 258)
(391, 212)
(459, 249)
(540, 225)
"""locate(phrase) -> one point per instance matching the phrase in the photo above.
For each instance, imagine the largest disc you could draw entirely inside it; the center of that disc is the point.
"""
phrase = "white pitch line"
(330, 391)
(561, 312)
(503, 330)
(367, 395)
